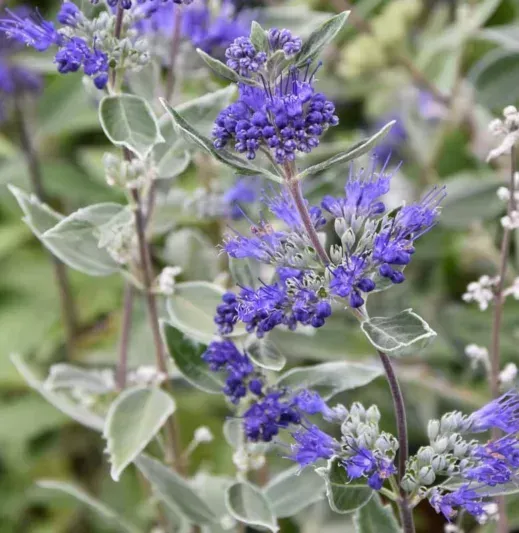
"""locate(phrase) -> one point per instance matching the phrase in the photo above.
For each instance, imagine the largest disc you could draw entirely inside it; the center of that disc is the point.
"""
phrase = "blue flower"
(363, 192)
(244, 191)
(464, 498)
(224, 356)
(502, 413)
(284, 40)
(32, 30)
(349, 280)
(287, 118)
(243, 58)
(312, 444)
(370, 464)
(69, 14)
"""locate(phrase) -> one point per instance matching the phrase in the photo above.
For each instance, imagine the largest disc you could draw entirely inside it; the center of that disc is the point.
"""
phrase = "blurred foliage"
(366, 78)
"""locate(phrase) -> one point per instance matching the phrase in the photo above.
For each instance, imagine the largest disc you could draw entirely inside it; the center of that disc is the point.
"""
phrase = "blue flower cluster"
(244, 191)
(483, 465)
(15, 79)
(286, 302)
(271, 409)
(284, 40)
(285, 119)
(73, 52)
(211, 31)
(243, 58)
(127, 4)
(371, 464)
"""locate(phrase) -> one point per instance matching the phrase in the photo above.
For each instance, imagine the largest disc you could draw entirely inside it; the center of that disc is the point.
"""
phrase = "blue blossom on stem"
(464, 498)
(365, 463)
(501, 413)
(243, 58)
(69, 14)
(312, 444)
(32, 30)
(242, 192)
(349, 281)
(284, 40)
(283, 120)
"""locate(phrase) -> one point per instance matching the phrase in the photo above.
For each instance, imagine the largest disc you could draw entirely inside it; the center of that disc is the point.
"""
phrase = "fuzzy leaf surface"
(248, 504)
(174, 491)
(129, 121)
(398, 335)
(132, 421)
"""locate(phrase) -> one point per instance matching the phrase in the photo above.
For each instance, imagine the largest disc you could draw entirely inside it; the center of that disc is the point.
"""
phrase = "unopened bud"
(425, 455)
(438, 463)
(440, 444)
(203, 434)
(373, 414)
(426, 475)
(433, 429)
(408, 483)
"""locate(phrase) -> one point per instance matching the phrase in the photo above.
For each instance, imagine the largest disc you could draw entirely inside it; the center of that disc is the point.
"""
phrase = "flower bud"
(433, 429)
(373, 414)
(203, 434)
(426, 475)
(425, 455)
(440, 444)
(438, 463)
(408, 483)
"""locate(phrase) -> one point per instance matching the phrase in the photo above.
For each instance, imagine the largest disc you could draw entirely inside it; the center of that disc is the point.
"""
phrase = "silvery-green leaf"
(212, 490)
(343, 497)
(506, 35)
(258, 37)
(132, 421)
(328, 379)
(217, 66)
(187, 355)
(355, 151)
(174, 491)
(190, 249)
(315, 43)
(192, 308)
(470, 198)
(109, 516)
(375, 517)
(265, 353)
(145, 81)
(226, 157)
(294, 489)
(481, 12)
(67, 376)
(203, 110)
(77, 412)
(494, 77)
(128, 121)
(242, 272)
(76, 238)
(249, 505)
(299, 19)
(172, 160)
(401, 334)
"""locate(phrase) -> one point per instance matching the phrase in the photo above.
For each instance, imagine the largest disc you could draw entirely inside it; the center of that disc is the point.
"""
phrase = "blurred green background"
(370, 79)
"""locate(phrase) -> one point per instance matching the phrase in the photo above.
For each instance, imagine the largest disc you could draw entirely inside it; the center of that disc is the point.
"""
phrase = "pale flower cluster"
(507, 129)
(481, 291)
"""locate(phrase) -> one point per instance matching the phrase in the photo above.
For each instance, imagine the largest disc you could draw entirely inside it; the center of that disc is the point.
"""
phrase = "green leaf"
(128, 121)
(111, 517)
(217, 66)
(265, 353)
(401, 334)
(171, 489)
(224, 156)
(343, 497)
(355, 151)
(132, 421)
(248, 504)
(192, 308)
(173, 161)
(67, 376)
(294, 489)
(328, 379)
(77, 412)
(78, 239)
(315, 43)
(470, 199)
(187, 355)
(203, 110)
(258, 37)
(375, 517)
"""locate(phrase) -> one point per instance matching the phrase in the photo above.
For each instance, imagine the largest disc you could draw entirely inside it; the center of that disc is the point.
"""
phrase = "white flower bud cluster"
(511, 221)
(452, 528)
(203, 435)
(245, 460)
(491, 513)
(508, 375)
(166, 280)
(119, 242)
(513, 290)
(360, 429)
(478, 355)
(146, 375)
(503, 193)
(481, 291)
(506, 128)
